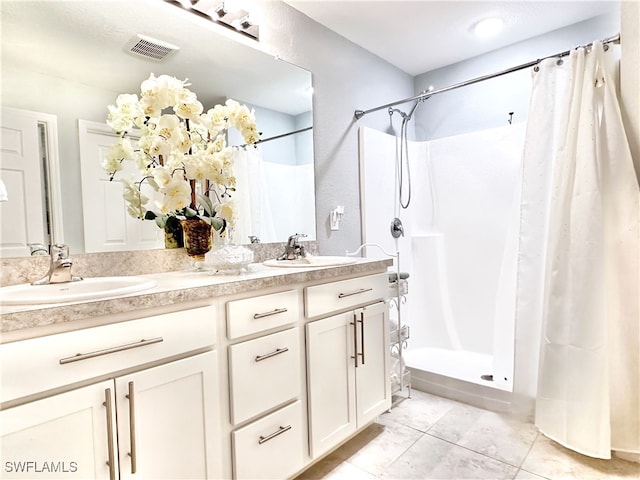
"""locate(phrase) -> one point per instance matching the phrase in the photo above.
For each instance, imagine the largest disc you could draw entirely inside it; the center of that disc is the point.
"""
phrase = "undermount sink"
(88, 289)
(311, 261)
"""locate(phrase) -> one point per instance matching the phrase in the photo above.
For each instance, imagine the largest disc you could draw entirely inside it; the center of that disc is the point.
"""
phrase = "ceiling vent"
(144, 46)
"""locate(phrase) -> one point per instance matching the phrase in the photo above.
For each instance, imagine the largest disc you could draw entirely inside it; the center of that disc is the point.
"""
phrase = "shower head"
(394, 110)
(423, 97)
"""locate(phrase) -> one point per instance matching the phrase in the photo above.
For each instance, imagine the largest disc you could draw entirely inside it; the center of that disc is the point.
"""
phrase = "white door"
(23, 216)
(331, 381)
(107, 225)
(63, 436)
(372, 375)
(168, 423)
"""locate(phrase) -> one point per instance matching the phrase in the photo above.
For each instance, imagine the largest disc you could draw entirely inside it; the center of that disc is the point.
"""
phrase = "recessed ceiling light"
(489, 27)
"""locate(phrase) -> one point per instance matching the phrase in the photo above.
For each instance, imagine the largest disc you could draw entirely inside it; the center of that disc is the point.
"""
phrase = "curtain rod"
(358, 114)
(275, 137)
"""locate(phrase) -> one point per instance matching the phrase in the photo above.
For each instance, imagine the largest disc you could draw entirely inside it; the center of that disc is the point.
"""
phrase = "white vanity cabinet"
(265, 385)
(167, 420)
(60, 436)
(347, 362)
(258, 383)
(150, 414)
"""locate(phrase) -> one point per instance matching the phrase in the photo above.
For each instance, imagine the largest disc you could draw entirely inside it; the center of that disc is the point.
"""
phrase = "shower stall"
(459, 248)
(462, 232)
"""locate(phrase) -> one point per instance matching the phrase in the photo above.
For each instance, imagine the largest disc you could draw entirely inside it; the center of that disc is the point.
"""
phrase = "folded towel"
(394, 276)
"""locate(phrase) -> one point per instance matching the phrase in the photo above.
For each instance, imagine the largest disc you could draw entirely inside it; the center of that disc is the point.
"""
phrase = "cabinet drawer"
(344, 294)
(258, 314)
(263, 373)
(31, 366)
(271, 447)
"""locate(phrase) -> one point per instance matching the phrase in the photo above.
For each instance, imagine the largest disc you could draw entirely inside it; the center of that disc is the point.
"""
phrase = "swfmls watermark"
(35, 466)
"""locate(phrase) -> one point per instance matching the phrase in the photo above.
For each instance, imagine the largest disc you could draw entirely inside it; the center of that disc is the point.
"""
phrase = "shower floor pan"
(456, 374)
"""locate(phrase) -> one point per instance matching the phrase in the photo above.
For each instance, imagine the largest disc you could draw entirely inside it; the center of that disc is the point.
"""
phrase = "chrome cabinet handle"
(111, 461)
(277, 351)
(361, 321)
(357, 292)
(268, 314)
(132, 429)
(280, 431)
(84, 356)
(355, 339)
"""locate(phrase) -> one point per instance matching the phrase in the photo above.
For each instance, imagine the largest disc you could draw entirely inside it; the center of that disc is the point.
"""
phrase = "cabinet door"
(168, 425)
(331, 381)
(373, 389)
(62, 436)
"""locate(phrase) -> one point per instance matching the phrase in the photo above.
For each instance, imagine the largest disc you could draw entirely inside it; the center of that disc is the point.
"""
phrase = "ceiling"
(422, 35)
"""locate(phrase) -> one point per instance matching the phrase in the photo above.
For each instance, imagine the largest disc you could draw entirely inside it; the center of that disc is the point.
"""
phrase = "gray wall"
(487, 104)
(345, 78)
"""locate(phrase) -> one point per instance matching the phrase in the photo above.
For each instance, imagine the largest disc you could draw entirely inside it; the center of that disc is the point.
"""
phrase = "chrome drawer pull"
(106, 351)
(355, 339)
(361, 322)
(111, 462)
(132, 428)
(268, 314)
(357, 292)
(280, 431)
(277, 351)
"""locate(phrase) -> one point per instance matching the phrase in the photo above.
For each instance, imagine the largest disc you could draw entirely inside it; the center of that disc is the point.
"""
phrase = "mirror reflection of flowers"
(182, 155)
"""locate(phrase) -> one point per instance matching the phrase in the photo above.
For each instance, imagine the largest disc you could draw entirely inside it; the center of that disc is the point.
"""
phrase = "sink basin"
(311, 261)
(87, 289)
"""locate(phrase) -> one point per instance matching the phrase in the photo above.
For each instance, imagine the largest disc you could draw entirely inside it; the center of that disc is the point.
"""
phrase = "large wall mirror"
(63, 63)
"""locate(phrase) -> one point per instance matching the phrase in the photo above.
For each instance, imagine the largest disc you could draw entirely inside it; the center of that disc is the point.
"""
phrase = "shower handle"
(397, 229)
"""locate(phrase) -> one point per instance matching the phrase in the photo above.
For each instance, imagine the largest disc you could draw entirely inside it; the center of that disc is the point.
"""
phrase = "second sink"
(87, 289)
(311, 261)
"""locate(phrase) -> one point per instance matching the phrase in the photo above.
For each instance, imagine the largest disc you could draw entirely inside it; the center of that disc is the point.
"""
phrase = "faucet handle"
(38, 249)
(59, 251)
(293, 239)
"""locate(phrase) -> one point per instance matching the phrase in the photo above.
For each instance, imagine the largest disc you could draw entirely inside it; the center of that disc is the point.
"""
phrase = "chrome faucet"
(293, 249)
(38, 249)
(60, 267)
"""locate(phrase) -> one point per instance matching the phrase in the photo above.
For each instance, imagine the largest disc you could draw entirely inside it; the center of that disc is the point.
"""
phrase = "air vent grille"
(150, 47)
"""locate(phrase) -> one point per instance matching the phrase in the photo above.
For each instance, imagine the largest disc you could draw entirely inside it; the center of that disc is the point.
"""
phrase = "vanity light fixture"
(227, 13)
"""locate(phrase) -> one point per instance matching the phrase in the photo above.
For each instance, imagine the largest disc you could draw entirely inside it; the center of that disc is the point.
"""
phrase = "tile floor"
(429, 437)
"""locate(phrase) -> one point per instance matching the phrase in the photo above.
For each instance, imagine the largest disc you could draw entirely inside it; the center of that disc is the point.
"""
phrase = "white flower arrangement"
(182, 155)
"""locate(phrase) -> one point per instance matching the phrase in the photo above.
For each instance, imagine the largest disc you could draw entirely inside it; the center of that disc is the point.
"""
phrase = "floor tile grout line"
(395, 460)
(473, 451)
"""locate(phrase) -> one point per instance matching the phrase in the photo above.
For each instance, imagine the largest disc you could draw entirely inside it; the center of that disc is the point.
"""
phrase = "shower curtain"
(253, 211)
(579, 252)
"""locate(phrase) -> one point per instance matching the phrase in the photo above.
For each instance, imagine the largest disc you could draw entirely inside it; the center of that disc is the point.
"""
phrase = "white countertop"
(178, 287)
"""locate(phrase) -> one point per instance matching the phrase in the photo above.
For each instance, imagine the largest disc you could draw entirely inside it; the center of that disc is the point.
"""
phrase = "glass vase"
(197, 237)
(227, 258)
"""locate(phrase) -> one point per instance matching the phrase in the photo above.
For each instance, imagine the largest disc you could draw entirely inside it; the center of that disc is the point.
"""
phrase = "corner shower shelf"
(398, 336)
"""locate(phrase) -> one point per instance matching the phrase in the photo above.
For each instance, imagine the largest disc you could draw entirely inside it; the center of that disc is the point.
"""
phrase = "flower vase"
(197, 237)
(173, 238)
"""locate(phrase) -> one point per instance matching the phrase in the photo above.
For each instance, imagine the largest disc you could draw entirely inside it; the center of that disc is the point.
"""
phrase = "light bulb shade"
(489, 27)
